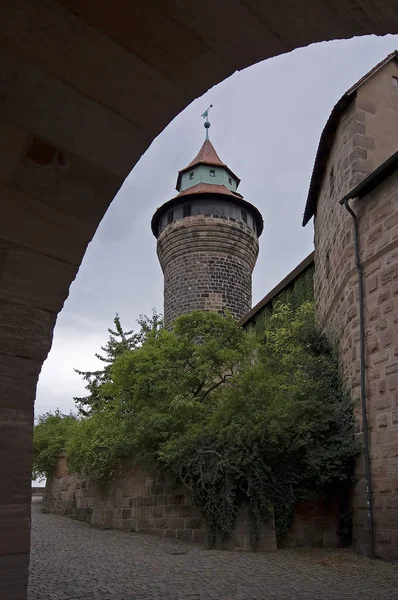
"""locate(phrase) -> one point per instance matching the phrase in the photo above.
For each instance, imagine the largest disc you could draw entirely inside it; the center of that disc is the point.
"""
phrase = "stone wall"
(207, 264)
(137, 502)
(316, 524)
(354, 155)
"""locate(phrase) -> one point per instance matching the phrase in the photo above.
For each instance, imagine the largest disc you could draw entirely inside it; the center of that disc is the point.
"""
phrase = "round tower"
(207, 240)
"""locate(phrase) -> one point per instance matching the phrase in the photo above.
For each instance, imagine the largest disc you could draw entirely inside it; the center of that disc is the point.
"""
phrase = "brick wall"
(207, 264)
(359, 147)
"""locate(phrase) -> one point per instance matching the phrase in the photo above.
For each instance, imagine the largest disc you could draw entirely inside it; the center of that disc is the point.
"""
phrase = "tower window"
(230, 181)
(191, 175)
(170, 217)
(331, 181)
(243, 214)
(186, 210)
(212, 173)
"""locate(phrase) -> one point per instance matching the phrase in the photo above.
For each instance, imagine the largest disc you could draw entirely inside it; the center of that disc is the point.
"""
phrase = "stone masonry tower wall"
(207, 262)
(207, 240)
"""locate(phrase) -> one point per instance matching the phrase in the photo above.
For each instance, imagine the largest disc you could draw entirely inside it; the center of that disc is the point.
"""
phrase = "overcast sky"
(265, 124)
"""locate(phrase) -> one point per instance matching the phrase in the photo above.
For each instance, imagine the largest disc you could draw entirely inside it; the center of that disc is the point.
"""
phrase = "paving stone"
(72, 561)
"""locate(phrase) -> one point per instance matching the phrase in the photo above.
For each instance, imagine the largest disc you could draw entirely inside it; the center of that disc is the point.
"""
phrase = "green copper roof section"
(207, 167)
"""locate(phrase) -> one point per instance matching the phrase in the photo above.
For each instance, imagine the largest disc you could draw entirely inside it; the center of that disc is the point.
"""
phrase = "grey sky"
(265, 124)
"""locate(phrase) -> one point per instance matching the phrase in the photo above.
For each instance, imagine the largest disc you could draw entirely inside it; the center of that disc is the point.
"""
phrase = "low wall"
(136, 501)
(316, 525)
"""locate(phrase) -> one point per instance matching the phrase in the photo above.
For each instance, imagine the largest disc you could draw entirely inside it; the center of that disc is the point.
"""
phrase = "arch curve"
(86, 86)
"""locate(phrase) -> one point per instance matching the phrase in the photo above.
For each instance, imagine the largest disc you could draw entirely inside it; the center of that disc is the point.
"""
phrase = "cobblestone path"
(71, 561)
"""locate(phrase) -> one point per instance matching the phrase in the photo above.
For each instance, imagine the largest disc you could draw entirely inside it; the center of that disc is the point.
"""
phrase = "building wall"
(377, 98)
(362, 142)
(138, 501)
(207, 264)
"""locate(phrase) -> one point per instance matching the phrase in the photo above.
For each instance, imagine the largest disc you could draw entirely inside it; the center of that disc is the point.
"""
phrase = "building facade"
(356, 169)
(207, 240)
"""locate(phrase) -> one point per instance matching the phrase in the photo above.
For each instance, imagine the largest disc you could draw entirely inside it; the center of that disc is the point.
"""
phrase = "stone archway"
(86, 85)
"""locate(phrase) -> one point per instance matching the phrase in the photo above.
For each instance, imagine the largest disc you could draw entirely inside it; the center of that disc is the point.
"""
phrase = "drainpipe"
(368, 472)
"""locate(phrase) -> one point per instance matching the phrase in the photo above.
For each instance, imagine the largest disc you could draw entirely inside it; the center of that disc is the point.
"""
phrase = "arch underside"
(86, 85)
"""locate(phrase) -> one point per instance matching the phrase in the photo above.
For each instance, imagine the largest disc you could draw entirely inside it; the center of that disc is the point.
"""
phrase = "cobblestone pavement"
(72, 561)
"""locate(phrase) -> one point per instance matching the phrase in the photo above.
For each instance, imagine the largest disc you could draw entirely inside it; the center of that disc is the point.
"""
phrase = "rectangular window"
(331, 181)
(212, 173)
(170, 217)
(395, 81)
(191, 175)
(186, 210)
(230, 181)
(243, 214)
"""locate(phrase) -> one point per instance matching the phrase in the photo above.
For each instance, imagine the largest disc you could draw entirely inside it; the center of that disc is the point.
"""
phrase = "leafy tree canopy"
(260, 417)
(51, 432)
(119, 342)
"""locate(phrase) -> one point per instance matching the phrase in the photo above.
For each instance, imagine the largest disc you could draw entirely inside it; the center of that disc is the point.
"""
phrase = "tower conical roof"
(206, 156)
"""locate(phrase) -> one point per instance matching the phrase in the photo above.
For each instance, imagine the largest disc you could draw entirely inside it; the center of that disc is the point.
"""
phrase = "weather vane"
(205, 116)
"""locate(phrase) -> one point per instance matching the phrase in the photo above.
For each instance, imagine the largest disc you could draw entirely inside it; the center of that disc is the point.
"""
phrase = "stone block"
(170, 533)
(172, 510)
(177, 523)
(199, 536)
(162, 523)
(264, 543)
(64, 116)
(187, 511)
(392, 469)
(157, 512)
(14, 576)
(34, 279)
(184, 534)
(382, 420)
(13, 143)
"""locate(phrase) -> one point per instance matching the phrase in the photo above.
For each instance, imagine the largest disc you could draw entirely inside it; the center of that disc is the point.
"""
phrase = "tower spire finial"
(205, 116)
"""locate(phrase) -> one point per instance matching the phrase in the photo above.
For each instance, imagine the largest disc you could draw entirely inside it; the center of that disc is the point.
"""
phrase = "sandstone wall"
(316, 524)
(137, 502)
(354, 155)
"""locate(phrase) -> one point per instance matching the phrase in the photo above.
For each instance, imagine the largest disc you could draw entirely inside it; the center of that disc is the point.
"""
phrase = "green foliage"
(51, 432)
(262, 418)
(119, 342)
(97, 446)
(299, 292)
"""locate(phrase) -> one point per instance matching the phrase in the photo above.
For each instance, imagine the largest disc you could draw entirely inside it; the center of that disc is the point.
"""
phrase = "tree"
(50, 436)
(258, 417)
(120, 341)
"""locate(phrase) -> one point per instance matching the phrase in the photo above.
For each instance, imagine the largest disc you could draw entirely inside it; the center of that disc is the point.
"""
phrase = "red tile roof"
(206, 156)
(208, 188)
(327, 138)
